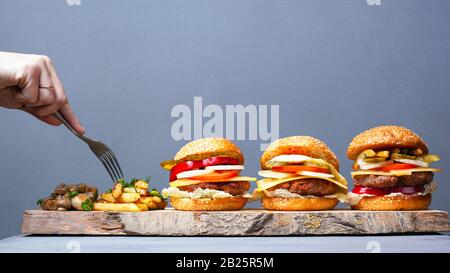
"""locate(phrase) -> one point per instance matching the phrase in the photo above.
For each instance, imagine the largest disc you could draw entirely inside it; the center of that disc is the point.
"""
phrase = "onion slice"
(374, 165)
(314, 174)
(290, 158)
(276, 175)
(412, 161)
(224, 167)
(193, 173)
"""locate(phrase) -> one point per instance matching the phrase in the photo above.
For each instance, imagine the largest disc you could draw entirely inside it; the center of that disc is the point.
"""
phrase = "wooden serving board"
(255, 222)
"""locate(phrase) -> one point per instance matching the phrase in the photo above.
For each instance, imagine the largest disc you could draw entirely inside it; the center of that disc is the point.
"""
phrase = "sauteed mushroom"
(66, 197)
(60, 189)
(81, 187)
(77, 201)
(92, 192)
(58, 202)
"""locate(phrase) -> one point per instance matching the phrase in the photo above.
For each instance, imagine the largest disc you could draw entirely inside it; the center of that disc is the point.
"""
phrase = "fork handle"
(59, 116)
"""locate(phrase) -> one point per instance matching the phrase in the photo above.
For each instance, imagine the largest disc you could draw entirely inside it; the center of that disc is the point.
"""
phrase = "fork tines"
(111, 164)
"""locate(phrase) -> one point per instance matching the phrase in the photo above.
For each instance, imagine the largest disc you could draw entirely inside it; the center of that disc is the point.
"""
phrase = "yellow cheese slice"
(268, 183)
(188, 182)
(370, 172)
(395, 172)
(338, 178)
(410, 171)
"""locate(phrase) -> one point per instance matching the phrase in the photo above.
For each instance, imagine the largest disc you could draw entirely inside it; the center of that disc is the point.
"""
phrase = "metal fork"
(101, 150)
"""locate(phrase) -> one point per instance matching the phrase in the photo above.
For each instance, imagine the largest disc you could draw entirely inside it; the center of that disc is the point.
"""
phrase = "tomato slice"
(182, 167)
(387, 191)
(396, 166)
(369, 190)
(199, 164)
(297, 168)
(217, 175)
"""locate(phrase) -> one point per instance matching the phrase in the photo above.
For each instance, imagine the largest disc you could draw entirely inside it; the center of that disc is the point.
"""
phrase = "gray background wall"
(334, 67)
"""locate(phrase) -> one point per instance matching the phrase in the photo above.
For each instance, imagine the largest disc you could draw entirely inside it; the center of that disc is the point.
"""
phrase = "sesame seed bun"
(281, 203)
(385, 137)
(417, 202)
(303, 145)
(203, 204)
(209, 147)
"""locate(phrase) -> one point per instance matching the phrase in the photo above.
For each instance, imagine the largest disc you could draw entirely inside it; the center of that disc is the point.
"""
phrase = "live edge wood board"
(170, 222)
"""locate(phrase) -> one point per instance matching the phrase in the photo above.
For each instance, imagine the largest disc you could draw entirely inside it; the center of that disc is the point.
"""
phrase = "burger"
(300, 173)
(391, 170)
(205, 175)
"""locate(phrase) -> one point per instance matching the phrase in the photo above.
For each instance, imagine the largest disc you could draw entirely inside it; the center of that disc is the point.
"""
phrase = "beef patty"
(233, 188)
(309, 186)
(387, 181)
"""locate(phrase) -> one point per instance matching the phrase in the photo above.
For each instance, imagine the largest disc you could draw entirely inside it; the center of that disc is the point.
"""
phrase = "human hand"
(30, 83)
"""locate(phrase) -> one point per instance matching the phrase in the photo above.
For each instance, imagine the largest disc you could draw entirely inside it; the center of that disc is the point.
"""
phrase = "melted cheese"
(338, 179)
(268, 183)
(396, 172)
(188, 182)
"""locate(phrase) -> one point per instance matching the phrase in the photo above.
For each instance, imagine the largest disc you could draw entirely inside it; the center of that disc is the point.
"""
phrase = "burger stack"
(391, 171)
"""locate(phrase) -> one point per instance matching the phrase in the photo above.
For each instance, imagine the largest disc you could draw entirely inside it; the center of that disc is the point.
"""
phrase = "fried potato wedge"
(142, 192)
(142, 207)
(140, 184)
(146, 200)
(156, 199)
(108, 197)
(117, 190)
(129, 189)
(116, 207)
(128, 197)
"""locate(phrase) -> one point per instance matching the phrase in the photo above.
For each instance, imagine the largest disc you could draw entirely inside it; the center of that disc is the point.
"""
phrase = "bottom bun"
(228, 203)
(281, 203)
(417, 202)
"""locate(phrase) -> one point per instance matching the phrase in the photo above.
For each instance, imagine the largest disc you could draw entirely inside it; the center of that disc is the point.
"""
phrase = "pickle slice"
(374, 159)
(169, 164)
(402, 156)
(369, 153)
(384, 154)
(430, 158)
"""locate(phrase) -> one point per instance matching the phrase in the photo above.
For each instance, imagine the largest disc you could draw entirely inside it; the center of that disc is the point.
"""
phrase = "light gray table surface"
(335, 244)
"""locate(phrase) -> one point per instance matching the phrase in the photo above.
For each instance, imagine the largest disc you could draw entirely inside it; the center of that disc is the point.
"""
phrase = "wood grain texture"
(170, 222)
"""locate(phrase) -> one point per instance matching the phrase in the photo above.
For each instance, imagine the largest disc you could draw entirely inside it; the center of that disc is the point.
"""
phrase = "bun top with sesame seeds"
(209, 147)
(385, 137)
(303, 145)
